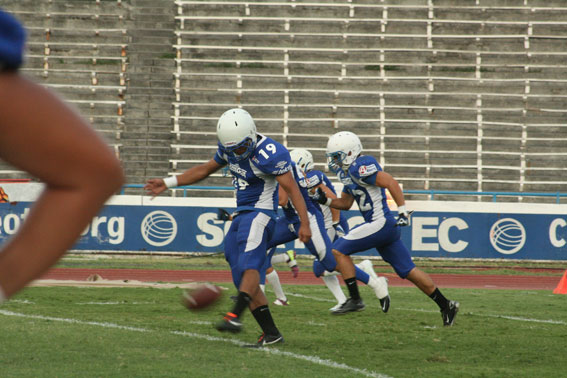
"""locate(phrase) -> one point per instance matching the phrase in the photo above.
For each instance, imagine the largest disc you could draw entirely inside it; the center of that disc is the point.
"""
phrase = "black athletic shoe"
(385, 303)
(230, 323)
(450, 313)
(266, 340)
(350, 305)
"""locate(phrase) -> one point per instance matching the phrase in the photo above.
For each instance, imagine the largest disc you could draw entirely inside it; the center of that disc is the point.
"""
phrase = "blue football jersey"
(359, 182)
(255, 177)
(12, 41)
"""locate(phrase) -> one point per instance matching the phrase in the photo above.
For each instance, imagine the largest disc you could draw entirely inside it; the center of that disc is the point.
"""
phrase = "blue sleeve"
(313, 179)
(219, 158)
(366, 169)
(273, 162)
(12, 42)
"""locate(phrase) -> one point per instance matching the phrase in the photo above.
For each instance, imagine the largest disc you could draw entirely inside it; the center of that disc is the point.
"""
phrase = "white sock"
(263, 287)
(2, 296)
(333, 284)
(274, 280)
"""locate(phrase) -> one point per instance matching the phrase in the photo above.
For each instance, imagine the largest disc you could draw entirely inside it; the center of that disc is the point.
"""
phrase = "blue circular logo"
(507, 236)
(159, 228)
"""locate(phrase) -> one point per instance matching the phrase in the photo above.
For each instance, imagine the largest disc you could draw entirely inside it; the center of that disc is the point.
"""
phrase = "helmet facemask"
(242, 150)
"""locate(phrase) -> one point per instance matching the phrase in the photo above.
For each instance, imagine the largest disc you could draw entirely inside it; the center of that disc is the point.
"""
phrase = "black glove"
(223, 215)
(321, 197)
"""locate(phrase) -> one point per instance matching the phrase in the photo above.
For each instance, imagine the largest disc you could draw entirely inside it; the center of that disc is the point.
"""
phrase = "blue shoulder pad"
(313, 179)
(364, 166)
(271, 157)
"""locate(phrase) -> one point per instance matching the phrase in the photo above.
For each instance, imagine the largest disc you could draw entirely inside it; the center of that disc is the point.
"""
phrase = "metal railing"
(430, 193)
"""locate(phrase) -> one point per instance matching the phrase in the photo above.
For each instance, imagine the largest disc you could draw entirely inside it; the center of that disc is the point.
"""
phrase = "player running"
(335, 226)
(258, 164)
(365, 181)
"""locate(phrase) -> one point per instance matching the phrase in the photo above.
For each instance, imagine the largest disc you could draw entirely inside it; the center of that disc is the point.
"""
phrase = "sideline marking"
(310, 297)
(508, 317)
(312, 359)
(114, 303)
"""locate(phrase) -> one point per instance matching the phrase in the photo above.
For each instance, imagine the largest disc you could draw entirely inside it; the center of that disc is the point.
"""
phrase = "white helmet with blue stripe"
(302, 158)
(236, 132)
(342, 150)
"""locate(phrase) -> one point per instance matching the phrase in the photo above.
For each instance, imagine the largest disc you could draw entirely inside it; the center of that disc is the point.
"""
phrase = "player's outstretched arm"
(45, 137)
(195, 174)
(288, 184)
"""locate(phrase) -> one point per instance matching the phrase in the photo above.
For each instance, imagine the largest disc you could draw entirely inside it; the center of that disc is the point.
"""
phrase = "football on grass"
(201, 296)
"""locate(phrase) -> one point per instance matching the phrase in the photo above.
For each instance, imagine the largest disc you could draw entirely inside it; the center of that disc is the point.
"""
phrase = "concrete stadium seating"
(448, 95)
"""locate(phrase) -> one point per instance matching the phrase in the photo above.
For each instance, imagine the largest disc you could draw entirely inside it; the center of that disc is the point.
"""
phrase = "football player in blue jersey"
(259, 165)
(320, 243)
(271, 275)
(335, 225)
(42, 135)
(365, 182)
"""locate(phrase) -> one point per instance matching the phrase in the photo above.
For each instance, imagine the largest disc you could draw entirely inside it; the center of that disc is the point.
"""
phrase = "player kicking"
(271, 275)
(335, 225)
(258, 164)
(364, 181)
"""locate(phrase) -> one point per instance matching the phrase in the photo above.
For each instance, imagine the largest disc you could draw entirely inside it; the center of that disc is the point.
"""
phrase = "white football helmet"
(342, 149)
(235, 130)
(302, 158)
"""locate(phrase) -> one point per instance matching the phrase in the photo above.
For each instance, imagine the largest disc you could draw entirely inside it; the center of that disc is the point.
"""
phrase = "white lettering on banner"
(419, 233)
(557, 243)
(11, 224)
(115, 227)
(211, 226)
(444, 240)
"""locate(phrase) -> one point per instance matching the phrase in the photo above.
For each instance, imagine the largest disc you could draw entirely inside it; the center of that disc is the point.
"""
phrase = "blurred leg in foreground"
(40, 134)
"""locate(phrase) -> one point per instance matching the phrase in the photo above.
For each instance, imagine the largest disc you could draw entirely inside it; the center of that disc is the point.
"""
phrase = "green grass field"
(145, 332)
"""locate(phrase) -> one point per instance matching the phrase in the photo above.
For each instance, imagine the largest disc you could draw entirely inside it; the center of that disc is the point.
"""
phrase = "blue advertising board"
(446, 234)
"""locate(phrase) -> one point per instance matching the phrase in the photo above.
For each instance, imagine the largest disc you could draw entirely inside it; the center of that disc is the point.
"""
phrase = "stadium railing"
(431, 194)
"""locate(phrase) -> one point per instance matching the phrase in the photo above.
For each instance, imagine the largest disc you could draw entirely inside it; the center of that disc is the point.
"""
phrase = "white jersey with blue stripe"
(314, 179)
(312, 206)
(255, 177)
(359, 182)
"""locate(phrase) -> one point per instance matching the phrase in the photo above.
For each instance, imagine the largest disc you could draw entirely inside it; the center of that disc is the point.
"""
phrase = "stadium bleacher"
(448, 95)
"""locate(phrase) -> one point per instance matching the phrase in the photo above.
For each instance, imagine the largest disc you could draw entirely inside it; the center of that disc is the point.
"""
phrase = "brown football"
(201, 296)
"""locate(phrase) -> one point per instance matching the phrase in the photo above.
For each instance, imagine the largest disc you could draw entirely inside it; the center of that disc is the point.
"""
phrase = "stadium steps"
(150, 91)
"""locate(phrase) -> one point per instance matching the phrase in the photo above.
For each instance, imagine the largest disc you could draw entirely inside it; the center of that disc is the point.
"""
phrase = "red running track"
(468, 281)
